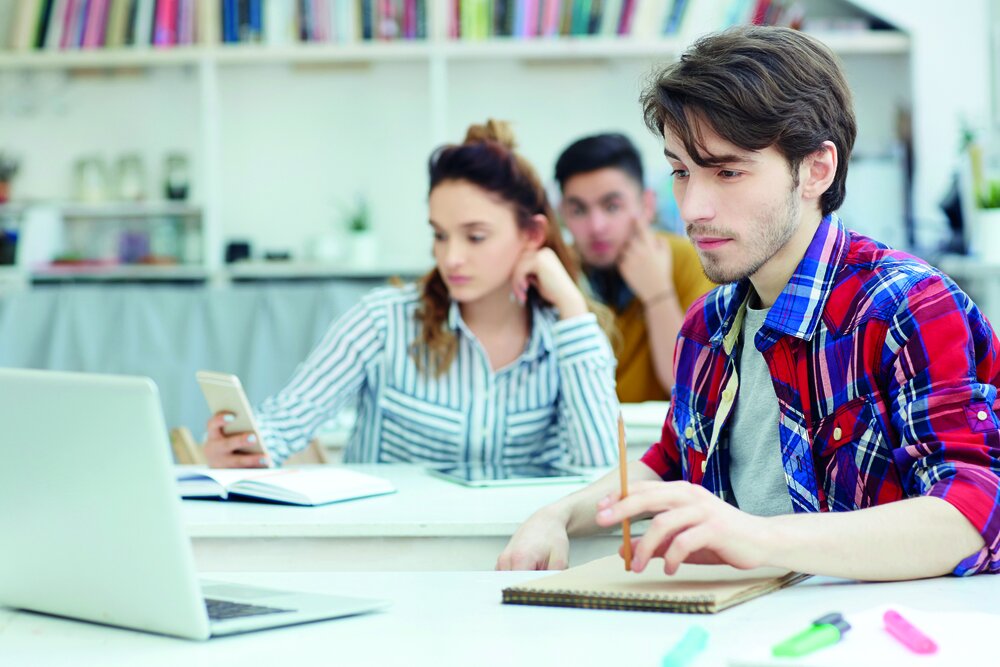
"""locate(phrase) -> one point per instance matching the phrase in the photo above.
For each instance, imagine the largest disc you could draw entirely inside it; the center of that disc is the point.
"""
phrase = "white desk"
(441, 619)
(428, 524)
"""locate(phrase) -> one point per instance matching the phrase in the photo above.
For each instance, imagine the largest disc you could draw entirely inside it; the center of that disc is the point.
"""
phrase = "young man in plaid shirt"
(835, 402)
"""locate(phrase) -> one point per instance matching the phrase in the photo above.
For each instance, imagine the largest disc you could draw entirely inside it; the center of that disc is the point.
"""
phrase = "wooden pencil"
(623, 469)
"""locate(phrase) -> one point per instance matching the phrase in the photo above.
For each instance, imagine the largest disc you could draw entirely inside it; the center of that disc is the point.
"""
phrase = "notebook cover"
(604, 584)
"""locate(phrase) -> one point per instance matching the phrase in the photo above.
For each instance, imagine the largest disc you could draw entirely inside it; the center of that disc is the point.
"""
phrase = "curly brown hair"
(487, 159)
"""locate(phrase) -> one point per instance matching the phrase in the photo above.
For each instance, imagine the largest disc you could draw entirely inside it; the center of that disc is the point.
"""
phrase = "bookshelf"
(280, 137)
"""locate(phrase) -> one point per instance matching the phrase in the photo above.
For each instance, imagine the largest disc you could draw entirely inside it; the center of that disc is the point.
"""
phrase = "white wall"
(951, 81)
(51, 119)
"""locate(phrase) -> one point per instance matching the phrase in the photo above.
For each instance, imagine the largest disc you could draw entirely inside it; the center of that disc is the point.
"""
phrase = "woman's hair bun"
(493, 130)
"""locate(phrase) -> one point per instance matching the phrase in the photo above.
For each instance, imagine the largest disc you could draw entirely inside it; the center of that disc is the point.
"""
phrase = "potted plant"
(986, 222)
(8, 169)
(983, 221)
(363, 247)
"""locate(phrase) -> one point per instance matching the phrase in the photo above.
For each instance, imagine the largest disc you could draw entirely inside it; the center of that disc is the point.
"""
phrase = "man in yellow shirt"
(648, 278)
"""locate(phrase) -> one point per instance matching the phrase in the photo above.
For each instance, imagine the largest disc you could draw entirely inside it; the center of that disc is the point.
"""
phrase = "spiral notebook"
(695, 589)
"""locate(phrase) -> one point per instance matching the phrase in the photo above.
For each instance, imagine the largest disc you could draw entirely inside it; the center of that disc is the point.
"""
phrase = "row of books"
(482, 19)
(92, 24)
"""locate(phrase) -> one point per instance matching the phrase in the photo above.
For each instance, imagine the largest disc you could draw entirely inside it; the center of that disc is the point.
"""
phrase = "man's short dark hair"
(599, 151)
(757, 87)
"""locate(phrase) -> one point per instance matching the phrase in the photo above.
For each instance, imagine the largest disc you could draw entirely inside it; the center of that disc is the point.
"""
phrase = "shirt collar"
(799, 307)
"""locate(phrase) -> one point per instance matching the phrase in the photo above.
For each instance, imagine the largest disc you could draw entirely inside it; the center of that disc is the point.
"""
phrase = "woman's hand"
(543, 269)
(236, 450)
(540, 543)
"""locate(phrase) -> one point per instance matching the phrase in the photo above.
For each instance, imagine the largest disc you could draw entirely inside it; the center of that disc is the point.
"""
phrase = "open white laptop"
(91, 525)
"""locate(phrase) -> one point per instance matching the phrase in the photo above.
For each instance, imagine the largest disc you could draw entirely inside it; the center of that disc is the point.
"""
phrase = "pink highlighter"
(906, 634)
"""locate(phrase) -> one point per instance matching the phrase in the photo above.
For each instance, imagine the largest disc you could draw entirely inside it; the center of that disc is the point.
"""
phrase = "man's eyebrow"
(464, 225)
(717, 160)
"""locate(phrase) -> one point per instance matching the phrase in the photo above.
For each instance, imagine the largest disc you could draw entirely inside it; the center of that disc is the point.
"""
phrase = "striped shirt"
(556, 403)
(886, 376)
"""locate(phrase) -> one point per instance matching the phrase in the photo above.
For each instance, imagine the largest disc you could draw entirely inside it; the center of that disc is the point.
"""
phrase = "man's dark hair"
(757, 87)
(599, 151)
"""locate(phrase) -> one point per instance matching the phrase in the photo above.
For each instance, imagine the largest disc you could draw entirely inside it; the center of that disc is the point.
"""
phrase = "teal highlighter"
(691, 644)
(824, 631)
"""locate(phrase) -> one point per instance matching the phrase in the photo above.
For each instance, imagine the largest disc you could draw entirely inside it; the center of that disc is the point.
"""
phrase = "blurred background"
(192, 184)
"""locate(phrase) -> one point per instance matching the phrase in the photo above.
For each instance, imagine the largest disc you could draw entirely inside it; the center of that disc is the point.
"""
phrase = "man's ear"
(536, 235)
(818, 170)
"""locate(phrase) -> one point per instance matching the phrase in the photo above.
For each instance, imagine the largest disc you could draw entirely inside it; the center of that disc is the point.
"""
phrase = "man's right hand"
(237, 450)
(540, 543)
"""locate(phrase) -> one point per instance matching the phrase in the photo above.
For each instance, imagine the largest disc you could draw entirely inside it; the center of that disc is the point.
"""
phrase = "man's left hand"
(689, 525)
(646, 263)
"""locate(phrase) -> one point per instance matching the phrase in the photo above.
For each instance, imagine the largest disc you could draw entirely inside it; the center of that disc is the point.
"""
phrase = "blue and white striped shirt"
(555, 404)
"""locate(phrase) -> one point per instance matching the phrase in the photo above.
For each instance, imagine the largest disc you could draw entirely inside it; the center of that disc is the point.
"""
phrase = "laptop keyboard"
(219, 610)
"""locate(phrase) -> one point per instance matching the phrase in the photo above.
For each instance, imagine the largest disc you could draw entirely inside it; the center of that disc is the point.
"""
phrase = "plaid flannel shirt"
(886, 376)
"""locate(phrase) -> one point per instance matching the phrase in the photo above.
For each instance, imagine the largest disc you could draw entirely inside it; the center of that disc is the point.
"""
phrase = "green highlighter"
(824, 632)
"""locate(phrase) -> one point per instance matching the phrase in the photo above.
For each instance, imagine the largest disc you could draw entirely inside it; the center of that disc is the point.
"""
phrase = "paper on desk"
(963, 638)
(648, 414)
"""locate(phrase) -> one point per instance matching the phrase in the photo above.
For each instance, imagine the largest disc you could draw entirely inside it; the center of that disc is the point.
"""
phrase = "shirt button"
(981, 415)
(689, 432)
(727, 395)
(704, 465)
(837, 433)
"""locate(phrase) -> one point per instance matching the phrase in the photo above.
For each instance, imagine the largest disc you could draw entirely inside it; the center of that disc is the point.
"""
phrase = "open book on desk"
(318, 485)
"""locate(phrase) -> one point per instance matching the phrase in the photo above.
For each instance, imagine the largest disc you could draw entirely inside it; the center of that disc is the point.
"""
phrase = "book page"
(313, 486)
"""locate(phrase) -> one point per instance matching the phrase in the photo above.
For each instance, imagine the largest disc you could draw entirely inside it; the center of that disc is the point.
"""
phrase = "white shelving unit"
(375, 111)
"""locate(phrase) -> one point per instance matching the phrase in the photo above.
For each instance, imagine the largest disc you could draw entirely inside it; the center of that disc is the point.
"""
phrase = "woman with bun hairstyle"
(494, 357)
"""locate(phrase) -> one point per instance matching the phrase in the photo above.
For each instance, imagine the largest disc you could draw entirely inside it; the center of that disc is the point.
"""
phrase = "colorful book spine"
(454, 19)
(8, 14)
(409, 19)
(230, 21)
(611, 14)
(208, 22)
(69, 23)
(320, 21)
(346, 21)
(80, 23)
(117, 17)
(42, 24)
(422, 19)
(549, 26)
(93, 33)
(23, 27)
(531, 18)
(53, 36)
(255, 20)
(186, 22)
(165, 26)
(581, 17)
(628, 14)
(144, 22)
(672, 25)
(760, 12)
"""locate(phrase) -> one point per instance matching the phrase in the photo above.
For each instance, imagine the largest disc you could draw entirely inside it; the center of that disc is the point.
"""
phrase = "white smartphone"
(224, 393)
